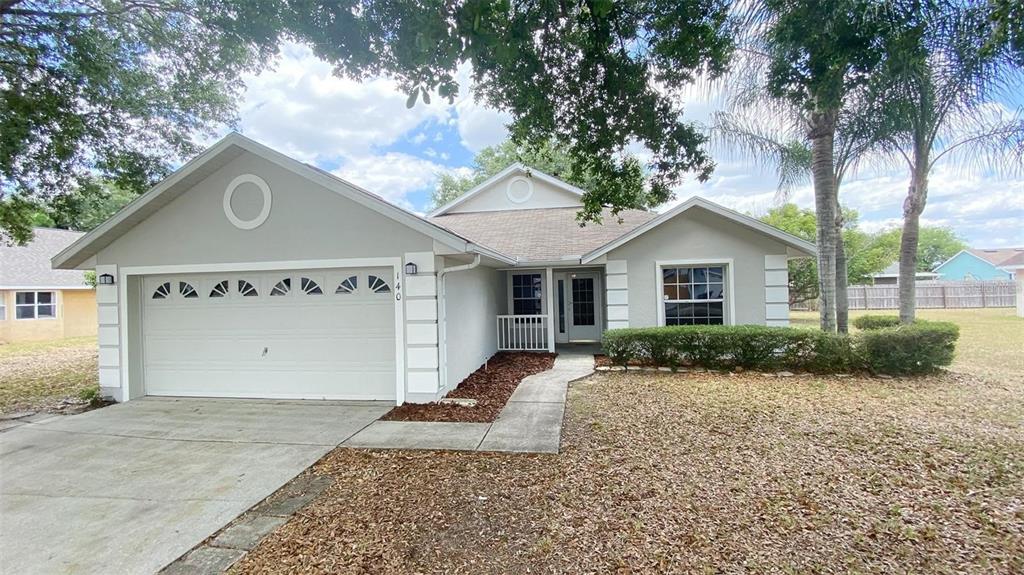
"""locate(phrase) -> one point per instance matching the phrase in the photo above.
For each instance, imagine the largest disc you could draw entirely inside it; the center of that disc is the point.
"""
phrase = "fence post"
(983, 302)
(943, 297)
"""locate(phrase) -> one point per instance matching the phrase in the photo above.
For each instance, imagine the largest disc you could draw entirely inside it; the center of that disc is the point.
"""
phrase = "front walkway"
(531, 422)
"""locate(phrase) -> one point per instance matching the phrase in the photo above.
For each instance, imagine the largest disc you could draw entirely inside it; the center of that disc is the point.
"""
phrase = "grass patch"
(37, 375)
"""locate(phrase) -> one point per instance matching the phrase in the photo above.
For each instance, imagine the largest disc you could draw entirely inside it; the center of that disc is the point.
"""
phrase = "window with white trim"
(35, 305)
(527, 294)
(694, 295)
(3, 306)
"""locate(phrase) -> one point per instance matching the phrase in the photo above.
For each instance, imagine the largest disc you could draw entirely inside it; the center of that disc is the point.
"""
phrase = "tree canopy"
(115, 90)
(597, 76)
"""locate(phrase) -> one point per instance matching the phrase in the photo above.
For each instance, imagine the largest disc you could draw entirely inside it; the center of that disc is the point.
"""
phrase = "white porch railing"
(523, 332)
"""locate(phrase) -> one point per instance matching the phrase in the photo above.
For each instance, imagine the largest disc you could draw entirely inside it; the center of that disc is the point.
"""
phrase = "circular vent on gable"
(264, 210)
(519, 189)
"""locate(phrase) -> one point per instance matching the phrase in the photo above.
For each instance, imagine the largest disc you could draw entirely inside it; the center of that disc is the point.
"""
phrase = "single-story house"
(891, 275)
(977, 265)
(249, 274)
(38, 302)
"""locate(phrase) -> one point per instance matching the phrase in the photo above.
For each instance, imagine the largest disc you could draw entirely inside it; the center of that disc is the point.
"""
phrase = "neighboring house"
(973, 264)
(38, 302)
(891, 276)
(249, 274)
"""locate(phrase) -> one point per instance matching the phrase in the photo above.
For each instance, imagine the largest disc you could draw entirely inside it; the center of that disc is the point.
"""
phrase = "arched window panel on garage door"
(220, 289)
(348, 285)
(377, 284)
(247, 289)
(162, 291)
(282, 287)
(310, 286)
(187, 291)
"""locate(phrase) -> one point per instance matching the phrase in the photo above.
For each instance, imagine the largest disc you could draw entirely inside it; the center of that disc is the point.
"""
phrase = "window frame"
(3, 306)
(728, 283)
(35, 305)
(541, 298)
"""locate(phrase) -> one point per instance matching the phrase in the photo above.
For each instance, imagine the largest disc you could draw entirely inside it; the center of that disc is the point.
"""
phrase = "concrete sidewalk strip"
(526, 428)
(535, 389)
(419, 435)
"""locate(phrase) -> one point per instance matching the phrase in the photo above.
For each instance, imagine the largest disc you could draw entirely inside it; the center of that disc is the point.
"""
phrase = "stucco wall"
(697, 235)
(76, 317)
(306, 221)
(473, 300)
(495, 198)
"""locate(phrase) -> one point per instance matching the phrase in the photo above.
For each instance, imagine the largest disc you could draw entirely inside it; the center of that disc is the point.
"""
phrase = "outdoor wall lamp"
(411, 269)
(105, 280)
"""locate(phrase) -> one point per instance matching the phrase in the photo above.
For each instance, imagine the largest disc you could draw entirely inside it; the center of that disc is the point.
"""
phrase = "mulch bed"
(490, 386)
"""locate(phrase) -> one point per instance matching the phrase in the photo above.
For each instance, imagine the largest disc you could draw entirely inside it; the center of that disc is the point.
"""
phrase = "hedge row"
(914, 349)
(867, 322)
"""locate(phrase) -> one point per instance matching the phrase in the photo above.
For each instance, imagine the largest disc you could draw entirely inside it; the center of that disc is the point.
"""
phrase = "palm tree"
(939, 84)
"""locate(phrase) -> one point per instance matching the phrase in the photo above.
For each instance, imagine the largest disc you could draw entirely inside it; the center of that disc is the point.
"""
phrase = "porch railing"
(523, 332)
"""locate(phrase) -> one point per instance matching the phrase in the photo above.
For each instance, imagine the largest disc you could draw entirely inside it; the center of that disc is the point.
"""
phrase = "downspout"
(443, 335)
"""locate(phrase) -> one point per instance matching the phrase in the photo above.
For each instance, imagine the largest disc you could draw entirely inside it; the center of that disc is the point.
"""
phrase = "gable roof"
(542, 234)
(516, 168)
(28, 266)
(699, 202)
(218, 155)
(1014, 263)
(993, 257)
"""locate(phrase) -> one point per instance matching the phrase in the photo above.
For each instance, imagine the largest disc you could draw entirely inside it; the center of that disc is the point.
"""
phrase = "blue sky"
(364, 133)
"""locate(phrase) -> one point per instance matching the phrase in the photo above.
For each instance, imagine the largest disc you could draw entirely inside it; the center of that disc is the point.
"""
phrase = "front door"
(583, 312)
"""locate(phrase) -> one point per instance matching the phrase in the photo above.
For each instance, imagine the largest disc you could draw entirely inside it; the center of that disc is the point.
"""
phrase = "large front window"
(694, 295)
(526, 294)
(35, 305)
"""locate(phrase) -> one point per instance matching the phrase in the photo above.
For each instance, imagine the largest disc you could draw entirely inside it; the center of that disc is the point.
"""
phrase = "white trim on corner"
(516, 167)
(729, 280)
(697, 201)
(398, 298)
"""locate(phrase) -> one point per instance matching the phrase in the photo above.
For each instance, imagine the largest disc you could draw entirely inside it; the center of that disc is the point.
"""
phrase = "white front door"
(313, 334)
(583, 306)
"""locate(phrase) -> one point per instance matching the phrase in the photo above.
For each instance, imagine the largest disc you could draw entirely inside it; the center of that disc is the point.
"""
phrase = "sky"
(363, 132)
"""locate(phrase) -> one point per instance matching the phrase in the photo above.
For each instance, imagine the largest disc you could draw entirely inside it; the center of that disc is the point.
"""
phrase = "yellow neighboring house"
(38, 302)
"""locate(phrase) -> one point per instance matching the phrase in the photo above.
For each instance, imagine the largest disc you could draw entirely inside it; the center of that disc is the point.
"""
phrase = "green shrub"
(919, 348)
(908, 349)
(866, 322)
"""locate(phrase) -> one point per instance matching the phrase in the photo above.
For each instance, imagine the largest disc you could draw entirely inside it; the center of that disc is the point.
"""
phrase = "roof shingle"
(544, 234)
(29, 265)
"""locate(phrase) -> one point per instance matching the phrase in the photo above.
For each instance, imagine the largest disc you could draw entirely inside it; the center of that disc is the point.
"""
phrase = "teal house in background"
(972, 264)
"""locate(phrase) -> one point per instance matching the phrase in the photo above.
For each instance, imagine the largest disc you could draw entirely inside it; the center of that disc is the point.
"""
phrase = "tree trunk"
(842, 278)
(917, 195)
(822, 131)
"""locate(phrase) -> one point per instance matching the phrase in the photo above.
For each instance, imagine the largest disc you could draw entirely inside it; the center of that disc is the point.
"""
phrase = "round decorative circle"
(519, 189)
(230, 212)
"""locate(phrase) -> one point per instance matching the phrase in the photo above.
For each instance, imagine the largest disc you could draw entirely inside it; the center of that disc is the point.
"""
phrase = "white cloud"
(392, 176)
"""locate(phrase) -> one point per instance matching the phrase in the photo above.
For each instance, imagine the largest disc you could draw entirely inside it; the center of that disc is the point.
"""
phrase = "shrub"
(908, 349)
(919, 348)
(868, 322)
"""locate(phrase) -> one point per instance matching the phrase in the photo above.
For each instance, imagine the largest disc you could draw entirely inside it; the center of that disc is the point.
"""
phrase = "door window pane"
(583, 301)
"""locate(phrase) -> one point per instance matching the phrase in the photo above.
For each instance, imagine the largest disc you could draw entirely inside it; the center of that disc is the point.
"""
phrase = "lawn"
(38, 375)
(702, 473)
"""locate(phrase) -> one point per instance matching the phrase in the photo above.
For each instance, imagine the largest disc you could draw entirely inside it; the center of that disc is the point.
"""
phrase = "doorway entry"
(579, 306)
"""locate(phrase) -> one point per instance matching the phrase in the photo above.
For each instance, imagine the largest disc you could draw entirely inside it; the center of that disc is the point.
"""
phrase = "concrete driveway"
(129, 488)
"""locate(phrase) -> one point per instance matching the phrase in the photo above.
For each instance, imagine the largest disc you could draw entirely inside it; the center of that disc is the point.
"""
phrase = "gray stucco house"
(249, 274)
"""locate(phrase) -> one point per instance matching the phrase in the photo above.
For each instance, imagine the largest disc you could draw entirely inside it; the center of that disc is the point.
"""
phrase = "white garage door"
(324, 334)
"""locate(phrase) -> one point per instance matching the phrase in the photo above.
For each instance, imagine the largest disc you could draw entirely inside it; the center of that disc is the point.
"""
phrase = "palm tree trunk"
(822, 131)
(842, 278)
(917, 195)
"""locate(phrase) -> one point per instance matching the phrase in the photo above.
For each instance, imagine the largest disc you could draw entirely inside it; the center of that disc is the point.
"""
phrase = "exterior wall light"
(105, 280)
(411, 269)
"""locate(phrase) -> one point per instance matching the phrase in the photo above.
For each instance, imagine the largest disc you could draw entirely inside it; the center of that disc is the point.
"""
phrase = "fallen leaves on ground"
(695, 473)
(490, 386)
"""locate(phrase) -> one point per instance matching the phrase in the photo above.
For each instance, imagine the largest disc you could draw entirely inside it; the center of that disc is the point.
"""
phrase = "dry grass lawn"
(704, 473)
(37, 375)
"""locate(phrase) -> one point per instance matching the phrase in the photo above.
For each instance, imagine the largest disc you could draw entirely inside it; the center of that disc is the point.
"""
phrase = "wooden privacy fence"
(932, 295)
